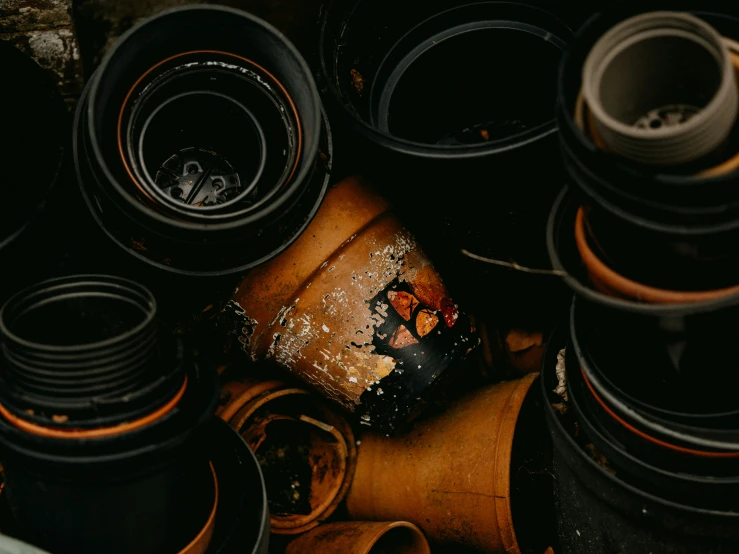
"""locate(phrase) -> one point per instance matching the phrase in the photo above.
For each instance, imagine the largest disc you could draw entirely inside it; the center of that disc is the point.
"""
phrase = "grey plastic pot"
(650, 108)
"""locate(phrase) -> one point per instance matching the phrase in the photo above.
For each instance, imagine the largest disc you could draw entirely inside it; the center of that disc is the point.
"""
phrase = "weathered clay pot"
(355, 309)
(451, 474)
(261, 411)
(362, 537)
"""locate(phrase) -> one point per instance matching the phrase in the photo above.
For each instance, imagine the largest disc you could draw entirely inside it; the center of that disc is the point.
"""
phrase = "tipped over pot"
(102, 415)
(356, 310)
(200, 144)
(473, 474)
(306, 450)
(607, 499)
(362, 537)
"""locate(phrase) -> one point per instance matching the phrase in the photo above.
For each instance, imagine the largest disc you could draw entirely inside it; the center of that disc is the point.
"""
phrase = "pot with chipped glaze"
(356, 310)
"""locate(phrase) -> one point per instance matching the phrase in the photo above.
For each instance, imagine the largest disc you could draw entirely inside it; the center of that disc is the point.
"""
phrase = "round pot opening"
(304, 461)
(195, 169)
(442, 77)
(401, 538)
(661, 88)
(458, 88)
(209, 133)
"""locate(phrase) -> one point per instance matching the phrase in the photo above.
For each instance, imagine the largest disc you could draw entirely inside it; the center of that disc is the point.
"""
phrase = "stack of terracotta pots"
(642, 379)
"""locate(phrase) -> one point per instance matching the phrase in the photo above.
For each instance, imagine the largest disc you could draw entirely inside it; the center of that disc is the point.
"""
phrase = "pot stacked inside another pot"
(647, 237)
(108, 440)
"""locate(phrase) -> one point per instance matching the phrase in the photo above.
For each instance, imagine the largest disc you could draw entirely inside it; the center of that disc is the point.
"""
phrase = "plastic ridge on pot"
(265, 413)
(130, 443)
(362, 537)
(653, 111)
(356, 310)
(249, 164)
(457, 491)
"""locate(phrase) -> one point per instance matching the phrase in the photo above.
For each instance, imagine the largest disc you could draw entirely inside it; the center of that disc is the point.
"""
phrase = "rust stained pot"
(451, 474)
(259, 410)
(362, 537)
(355, 309)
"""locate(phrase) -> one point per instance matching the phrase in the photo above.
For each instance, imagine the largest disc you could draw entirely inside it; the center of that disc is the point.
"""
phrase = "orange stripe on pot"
(654, 440)
(259, 410)
(199, 545)
(276, 82)
(609, 282)
(362, 537)
(126, 427)
(450, 474)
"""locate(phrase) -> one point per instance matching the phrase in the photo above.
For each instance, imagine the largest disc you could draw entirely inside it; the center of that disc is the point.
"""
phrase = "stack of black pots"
(108, 437)
(245, 171)
(645, 417)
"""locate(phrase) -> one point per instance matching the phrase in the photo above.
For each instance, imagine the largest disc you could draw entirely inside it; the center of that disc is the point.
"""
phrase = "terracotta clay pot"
(263, 411)
(451, 474)
(356, 310)
(362, 537)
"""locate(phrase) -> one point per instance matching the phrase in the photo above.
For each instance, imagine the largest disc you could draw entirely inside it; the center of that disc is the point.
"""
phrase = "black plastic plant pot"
(674, 229)
(200, 143)
(599, 512)
(450, 107)
(242, 517)
(709, 482)
(676, 362)
(114, 466)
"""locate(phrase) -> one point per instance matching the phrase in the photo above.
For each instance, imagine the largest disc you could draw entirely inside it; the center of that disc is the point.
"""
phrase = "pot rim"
(205, 214)
(435, 151)
(57, 285)
(554, 229)
(590, 67)
(634, 289)
(310, 154)
(199, 544)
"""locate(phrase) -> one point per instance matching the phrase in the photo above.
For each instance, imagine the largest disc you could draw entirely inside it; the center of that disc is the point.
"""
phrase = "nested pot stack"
(109, 444)
(646, 236)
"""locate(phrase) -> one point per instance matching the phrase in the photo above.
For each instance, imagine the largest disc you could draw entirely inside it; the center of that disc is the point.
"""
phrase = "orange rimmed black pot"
(200, 143)
(103, 414)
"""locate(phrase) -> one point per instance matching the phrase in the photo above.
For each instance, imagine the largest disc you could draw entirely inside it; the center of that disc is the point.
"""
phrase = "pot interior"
(444, 74)
(469, 85)
(666, 79)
